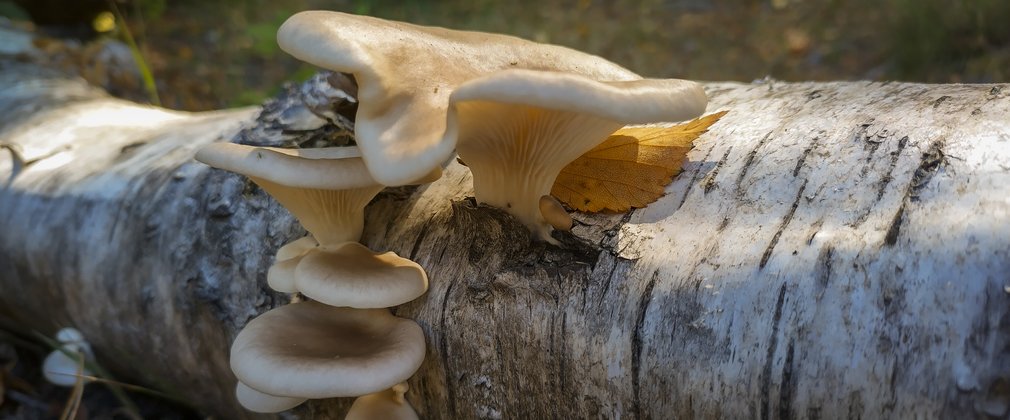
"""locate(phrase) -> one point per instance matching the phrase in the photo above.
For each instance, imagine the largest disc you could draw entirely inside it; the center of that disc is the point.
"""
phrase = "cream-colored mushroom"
(516, 111)
(384, 405)
(352, 275)
(261, 402)
(281, 276)
(325, 189)
(554, 213)
(311, 350)
(405, 74)
(519, 128)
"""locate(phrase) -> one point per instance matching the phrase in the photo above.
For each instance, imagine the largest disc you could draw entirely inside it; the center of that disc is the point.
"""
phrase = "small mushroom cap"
(311, 350)
(261, 402)
(60, 369)
(352, 275)
(329, 168)
(296, 248)
(385, 405)
(554, 213)
(70, 335)
(281, 275)
(405, 74)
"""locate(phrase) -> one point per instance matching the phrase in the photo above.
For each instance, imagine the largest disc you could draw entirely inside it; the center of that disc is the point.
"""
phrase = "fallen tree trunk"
(831, 250)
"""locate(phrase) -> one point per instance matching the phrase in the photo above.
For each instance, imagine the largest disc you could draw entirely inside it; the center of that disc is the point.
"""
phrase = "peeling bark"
(831, 250)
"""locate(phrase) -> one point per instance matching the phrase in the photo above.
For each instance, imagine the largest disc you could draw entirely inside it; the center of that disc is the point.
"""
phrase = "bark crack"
(636, 344)
(773, 342)
(444, 350)
(710, 178)
(785, 222)
(750, 160)
(929, 164)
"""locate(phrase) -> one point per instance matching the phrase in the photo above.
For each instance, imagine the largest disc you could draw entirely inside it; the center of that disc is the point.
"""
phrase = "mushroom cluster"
(517, 112)
(344, 342)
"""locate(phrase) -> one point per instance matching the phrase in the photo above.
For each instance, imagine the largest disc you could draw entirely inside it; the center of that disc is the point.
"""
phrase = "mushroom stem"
(516, 152)
(331, 216)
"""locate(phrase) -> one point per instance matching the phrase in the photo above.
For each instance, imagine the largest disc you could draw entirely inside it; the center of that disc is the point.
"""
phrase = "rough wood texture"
(831, 250)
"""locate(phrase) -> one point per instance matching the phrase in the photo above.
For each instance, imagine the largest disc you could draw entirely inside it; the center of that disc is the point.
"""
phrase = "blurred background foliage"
(206, 54)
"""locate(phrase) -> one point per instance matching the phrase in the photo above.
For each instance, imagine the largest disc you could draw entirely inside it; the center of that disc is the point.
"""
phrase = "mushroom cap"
(384, 405)
(311, 350)
(60, 369)
(328, 168)
(352, 275)
(296, 248)
(405, 74)
(639, 101)
(554, 213)
(261, 402)
(281, 275)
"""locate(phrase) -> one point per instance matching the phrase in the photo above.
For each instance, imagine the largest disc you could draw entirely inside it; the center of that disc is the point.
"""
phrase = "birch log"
(831, 250)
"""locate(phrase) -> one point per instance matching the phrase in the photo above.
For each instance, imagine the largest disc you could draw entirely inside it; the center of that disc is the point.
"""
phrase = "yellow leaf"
(629, 169)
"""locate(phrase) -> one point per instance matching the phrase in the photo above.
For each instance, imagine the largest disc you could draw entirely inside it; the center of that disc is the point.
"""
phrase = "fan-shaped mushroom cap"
(519, 128)
(260, 402)
(281, 275)
(352, 275)
(311, 350)
(405, 74)
(325, 189)
(385, 405)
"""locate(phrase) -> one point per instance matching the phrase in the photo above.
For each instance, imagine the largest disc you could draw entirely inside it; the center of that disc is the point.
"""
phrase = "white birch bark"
(831, 250)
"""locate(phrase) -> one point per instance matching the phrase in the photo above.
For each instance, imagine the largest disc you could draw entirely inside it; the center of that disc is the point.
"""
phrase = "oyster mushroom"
(310, 350)
(405, 74)
(326, 190)
(516, 111)
(518, 128)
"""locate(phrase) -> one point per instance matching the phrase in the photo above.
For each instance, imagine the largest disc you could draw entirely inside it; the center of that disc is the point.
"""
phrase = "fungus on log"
(830, 248)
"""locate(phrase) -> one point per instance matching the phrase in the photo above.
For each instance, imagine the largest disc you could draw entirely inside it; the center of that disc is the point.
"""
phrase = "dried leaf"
(630, 169)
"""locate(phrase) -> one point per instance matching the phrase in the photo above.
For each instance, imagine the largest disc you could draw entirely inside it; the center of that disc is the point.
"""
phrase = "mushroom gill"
(518, 128)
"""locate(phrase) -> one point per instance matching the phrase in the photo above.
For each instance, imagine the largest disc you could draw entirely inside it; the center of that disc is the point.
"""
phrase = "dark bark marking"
(420, 238)
(787, 390)
(450, 388)
(939, 101)
(694, 179)
(562, 357)
(895, 155)
(606, 286)
(710, 178)
(773, 342)
(894, 229)
(723, 224)
(929, 164)
(803, 158)
(823, 270)
(636, 344)
(750, 160)
(884, 181)
(785, 222)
